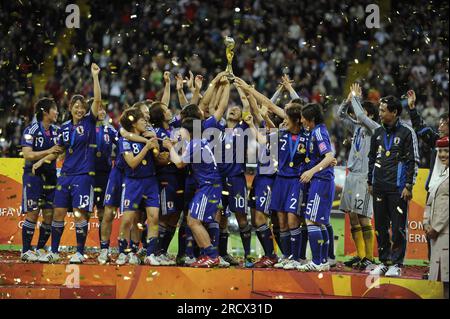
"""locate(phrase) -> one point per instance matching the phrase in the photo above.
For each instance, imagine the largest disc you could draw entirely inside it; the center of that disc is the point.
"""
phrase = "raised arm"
(426, 133)
(223, 102)
(95, 70)
(180, 92)
(262, 139)
(210, 92)
(347, 122)
(254, 109)
(245, 101)
(198, 86)
(288, 86)
(166, 95)
(355, 96)
(277, 94)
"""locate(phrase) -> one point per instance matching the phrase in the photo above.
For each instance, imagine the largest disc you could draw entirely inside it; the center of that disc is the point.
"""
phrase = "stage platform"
(87, 281)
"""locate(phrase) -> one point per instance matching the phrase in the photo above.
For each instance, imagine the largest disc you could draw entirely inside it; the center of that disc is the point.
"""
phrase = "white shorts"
(355, 195)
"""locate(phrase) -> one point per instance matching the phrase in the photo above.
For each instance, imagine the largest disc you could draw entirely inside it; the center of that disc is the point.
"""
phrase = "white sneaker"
(281, 263)
(394, 271)
(133, 259)
(303, 261)
(223, 263)
(164, 260)
(29, 256)
(332, 262)
(77, 258)
(379, 270)
(152, 260)
(189, 261)
(49, 258)
(292, 264)
(325, 266)
(103, 258)
(122, 259)
(310, 267)
(41, 253)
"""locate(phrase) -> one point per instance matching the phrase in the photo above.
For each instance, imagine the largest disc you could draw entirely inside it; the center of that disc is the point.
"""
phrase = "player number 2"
(283, 147)
(293, 202)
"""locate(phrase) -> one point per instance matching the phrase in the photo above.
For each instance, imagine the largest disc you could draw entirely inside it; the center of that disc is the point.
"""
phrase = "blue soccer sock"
(152, 244)
(144, 237)
(123, 245)
(211, 251)
(27, 235)
(81, 229)
(285, 239)
(265, 238)
(134, 246)
(182, 239)
(161, 235)
(104, 244)
(57, 231)
(223, 242)
(277, 236)
(213, 231)
(189, 242)
(170, 232)
(315, 242)
(325, 245)
(303, 241)
(44, 234)
(246, 237)
(295, 242)
(331, 242)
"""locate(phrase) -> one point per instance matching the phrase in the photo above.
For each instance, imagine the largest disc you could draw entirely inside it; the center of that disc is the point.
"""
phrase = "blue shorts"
(38, 192)
(137, 191)
(189, 191)
(75, 191)
(320, 201)
(113, 191)
(234, 195)
(205, 203)
(261, 193)
(287, 195)
(101, 180)
(172, 193)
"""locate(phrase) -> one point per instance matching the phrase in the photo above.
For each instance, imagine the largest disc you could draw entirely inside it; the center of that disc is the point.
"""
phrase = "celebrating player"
(140, 187)
(75, 187)
(39, 140)
(320, 175)
(356, 200)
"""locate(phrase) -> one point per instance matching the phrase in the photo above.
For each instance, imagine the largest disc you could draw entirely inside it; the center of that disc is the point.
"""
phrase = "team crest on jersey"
(80, 130)
(126, 202)
(106, 138)
(397, 140)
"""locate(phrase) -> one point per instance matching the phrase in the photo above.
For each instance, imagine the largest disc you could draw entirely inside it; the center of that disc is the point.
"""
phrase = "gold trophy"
(229, 44)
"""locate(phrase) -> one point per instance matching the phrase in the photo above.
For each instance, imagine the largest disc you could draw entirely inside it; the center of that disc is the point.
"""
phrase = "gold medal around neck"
(291, 164)
(144, 162)
(99, 154)
(307, 160)
(70, 150)
(388, 153)
(155, 152)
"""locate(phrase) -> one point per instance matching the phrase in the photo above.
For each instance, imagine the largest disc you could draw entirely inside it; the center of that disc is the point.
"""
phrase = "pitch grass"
(235, 244)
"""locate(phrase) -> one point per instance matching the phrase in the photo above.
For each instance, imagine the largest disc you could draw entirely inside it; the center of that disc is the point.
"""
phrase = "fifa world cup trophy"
(229, 44)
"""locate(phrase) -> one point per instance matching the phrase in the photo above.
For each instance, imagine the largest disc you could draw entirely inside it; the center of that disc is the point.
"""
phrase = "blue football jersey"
(79, 142)
(146, 168)
(234, 149)
(266, 155)
(39, 139)
(202, 162)
(318, 145)
(162, 133)
(106, 137)
(291, 152)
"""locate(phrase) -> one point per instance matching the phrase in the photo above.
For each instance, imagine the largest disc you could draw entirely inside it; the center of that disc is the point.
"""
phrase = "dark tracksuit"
(389, 175)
